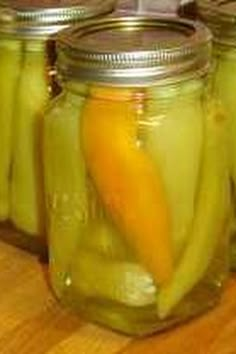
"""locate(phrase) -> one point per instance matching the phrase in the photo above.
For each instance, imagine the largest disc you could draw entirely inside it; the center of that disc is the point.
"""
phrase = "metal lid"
(220, 16)
(44, 17)
(134, 50)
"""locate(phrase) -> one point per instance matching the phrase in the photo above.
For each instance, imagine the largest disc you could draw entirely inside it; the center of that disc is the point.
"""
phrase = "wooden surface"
(32, 322)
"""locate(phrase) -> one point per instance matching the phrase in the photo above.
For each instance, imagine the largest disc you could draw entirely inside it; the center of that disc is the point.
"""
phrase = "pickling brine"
(136, 184)
(27, 68)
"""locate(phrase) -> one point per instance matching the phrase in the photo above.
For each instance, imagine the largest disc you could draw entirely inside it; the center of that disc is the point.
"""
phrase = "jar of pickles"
(220, 16)
(136, 174)
(27, 73)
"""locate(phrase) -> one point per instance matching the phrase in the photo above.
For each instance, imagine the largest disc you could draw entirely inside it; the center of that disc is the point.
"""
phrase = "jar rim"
(44, 18)
(133, 50)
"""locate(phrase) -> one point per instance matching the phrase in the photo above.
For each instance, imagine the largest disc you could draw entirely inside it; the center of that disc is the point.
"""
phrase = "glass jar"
(148, 7)
(27, 57)
(220, 17)
(136, 174)
(187, 9)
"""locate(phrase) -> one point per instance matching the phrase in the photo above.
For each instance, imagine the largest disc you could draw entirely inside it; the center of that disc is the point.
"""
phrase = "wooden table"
(32, 322)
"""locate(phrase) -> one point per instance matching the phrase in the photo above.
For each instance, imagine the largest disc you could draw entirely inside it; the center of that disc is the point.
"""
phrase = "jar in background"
(136, 174)
(148, 7)
(27, 72)
(188, 9)
(220, 16)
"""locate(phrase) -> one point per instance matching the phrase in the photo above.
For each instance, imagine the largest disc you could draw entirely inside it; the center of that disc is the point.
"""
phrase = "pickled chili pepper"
(10, 65)
(126, 180)
(210, 217)
(220, 17)
(224, 84)
(172, 139)
(126, 282)
(31, 98)
(66, 187)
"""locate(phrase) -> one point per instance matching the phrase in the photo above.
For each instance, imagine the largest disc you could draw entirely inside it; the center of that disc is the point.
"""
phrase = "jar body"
(132, 174)
(27, 83)
(27, 60)
(224, 83)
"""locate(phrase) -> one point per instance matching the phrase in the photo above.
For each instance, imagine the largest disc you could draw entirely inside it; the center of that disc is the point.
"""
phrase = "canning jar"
(220, 16)
(27, 72)
(148, 7)
(187, 9)
(136, 174)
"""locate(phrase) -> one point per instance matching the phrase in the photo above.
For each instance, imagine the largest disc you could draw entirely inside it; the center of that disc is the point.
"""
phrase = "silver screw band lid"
(45, 17)
(134, 50)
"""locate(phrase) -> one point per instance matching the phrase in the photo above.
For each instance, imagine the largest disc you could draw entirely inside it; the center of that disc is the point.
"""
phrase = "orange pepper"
(125, 178)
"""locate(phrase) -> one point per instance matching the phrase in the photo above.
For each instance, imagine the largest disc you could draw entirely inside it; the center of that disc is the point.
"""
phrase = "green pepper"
(10, 66)
(124, 282)
(31, 98)
(103, 238)
(224, 84)
(65, 182)
(173, 137)
(212, 211)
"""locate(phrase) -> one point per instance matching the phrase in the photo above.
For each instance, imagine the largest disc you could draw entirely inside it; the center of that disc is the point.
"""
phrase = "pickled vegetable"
(224, 83)
(10, 63)
(125, 282)
(127, 183)
(103, 238)
(224, 87)
(173, 139)
(31, 98)
(210, 217)
(65, 182)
